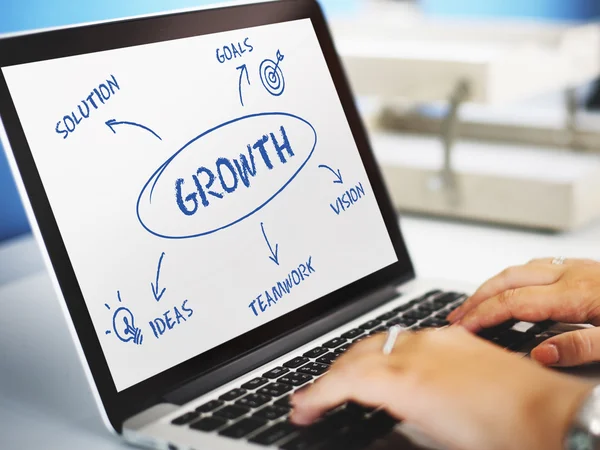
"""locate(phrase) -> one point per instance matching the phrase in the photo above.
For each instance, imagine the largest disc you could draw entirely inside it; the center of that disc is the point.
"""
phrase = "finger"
(569, 349)
(532, 303)
(511, 278)
(368, 382)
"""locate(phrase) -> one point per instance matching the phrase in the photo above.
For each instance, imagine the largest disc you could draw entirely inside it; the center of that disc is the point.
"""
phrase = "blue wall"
(18, 15)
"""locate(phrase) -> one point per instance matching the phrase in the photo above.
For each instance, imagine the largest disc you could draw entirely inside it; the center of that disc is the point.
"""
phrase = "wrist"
(553, 410)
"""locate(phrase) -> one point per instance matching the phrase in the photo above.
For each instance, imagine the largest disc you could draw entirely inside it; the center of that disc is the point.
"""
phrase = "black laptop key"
(255, 383)
(209, 424)
(352, 333)
(314, 368)
(275, 433)
(417, 314)
(404, 307)
(231, 412)
(434, 323)
(275, 389)
(400, 321)
(336, 342)
(295, 378)
(296, 362)
(284, 401)
(427, 307)
(210, 406)
(185, 419)
(243, 428)
(494, 332)
(378, 330)
(315, 352)
(276, 372)
(343, 348)
(322, 432)
(253, 400)
(329, 358)
(365, 432)
(232, 395)
(512, 339)
(370, 325)
(272, 412)
(387, 316)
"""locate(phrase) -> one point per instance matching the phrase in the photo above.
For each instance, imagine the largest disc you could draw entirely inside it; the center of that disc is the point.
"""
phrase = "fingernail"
(456, 315)
(546, 354)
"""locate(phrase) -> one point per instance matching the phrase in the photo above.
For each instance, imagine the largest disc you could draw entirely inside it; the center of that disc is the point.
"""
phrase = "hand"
(540, 291)
(460, 390)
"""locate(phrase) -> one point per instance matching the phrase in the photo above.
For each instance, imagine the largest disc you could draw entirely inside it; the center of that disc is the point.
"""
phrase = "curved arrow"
(243, 69)
(274, 256)
(337, 174)
(112, 123)
(155, 288)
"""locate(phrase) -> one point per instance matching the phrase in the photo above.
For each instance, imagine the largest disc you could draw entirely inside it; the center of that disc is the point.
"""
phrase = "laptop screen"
(202, 186)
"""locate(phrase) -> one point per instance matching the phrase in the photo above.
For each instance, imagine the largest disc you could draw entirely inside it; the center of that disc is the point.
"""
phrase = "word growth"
(227, 175)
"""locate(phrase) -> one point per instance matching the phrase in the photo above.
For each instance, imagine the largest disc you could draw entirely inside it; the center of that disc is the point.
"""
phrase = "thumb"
(569, 349)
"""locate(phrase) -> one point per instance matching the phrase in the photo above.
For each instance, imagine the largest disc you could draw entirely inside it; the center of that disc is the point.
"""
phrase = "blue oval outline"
(158, 173)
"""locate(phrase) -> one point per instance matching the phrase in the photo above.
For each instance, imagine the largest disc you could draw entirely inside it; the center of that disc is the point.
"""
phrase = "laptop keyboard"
(258, 410)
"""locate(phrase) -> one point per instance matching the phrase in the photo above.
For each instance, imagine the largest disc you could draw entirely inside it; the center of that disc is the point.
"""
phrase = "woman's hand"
(462, 391)
(541, 291)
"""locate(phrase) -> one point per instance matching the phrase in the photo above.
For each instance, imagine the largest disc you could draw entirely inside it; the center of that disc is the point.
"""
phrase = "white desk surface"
(44, 399)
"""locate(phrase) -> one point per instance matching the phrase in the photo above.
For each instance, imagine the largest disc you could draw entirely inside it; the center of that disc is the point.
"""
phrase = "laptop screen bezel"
(112, 35)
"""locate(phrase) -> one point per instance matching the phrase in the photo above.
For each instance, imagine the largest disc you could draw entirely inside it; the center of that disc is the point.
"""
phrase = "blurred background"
(479, 111)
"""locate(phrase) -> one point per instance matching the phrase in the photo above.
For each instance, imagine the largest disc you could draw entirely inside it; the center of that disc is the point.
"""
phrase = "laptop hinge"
(272, 350)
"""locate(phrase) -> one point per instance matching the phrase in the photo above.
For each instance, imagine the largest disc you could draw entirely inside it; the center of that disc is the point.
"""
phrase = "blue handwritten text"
(98, 96)
(347, 199)
(170, 319)
(277, 292)
(234, 50)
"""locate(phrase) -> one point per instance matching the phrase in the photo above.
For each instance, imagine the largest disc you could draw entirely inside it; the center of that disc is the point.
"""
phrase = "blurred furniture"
(405, 60)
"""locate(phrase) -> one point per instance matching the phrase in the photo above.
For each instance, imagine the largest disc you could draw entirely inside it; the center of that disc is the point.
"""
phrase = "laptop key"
(185, 419)
(333, 343)
(378, 330)
(231, 412)
(296, 362)
(343, 348)
(243, 427)
(296, 378)
(275, 389)
(210, 406)
(255, 383)
(352, 333)
(416, 314)
(315, 352)
(329, 358)
(387, 316)
(370, 325)
(435, 323)
(275, 433)
(232, 395)
(253, 400)
(314, 369)
(209, 424)
(272, 412)
(403, 307)
(276, 372)
(284, 401)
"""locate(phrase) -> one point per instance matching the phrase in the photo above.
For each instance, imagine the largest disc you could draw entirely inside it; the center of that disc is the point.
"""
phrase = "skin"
(540, 291)
(462, 391)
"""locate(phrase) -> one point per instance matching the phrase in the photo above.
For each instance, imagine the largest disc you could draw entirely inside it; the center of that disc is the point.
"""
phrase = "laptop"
(214, 221)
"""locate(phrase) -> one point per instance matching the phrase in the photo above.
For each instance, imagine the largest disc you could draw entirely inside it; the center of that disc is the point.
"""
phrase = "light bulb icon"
(124, 325)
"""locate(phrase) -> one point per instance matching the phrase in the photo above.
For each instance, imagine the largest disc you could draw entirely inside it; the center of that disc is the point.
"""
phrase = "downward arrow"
(155, 288)
(274, 257)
